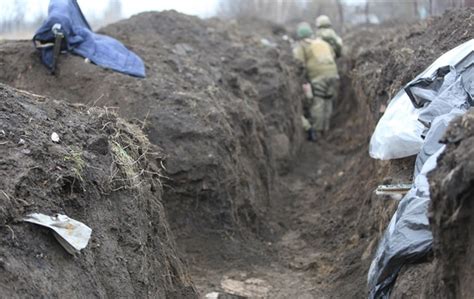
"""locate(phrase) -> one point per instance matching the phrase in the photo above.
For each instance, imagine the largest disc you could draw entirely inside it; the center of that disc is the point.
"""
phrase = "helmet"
(304, 30)
(323, 21)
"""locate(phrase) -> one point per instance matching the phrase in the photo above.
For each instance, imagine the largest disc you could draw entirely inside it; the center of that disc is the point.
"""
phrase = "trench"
(308, 242)
(321, 223)
(311, 245)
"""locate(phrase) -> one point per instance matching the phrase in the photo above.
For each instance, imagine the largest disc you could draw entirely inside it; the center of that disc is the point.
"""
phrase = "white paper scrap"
(71, 234)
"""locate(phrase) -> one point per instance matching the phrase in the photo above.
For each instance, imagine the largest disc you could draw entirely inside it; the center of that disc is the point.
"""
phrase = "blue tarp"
(81, 40)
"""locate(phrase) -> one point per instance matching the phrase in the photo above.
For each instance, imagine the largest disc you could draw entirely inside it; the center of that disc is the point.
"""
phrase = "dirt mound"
(452, 213)
(103, 172)
(223, 104)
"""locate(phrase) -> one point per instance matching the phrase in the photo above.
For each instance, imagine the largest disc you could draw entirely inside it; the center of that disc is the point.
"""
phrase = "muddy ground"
(254, 209)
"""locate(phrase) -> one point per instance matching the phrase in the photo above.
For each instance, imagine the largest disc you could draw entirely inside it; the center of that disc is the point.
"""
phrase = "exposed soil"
(382, 65)
(224, 107)
(131, 252)
(255, 210)
(452, 213)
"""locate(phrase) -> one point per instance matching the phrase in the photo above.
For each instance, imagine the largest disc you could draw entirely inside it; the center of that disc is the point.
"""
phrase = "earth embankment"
(101, 171)
(223, 104)
(250, 203)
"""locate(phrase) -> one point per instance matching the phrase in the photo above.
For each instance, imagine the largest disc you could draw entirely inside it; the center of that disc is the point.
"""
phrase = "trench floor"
(313, 249)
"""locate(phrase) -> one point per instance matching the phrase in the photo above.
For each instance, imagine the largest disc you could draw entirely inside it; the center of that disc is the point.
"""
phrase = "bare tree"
(275, 10)
(112, 13)
(13, 18)
(415, 7)
(340, 8)
(366, 11)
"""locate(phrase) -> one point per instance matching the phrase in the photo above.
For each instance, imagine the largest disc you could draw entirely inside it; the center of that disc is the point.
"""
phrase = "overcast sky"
(95, 8)
(203, 8)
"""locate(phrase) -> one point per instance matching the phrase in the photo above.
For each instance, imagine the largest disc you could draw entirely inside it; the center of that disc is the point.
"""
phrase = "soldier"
(326, 32)
(318, 58)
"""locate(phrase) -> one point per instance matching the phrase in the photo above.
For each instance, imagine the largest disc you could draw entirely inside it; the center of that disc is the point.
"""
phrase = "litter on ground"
(71, 234)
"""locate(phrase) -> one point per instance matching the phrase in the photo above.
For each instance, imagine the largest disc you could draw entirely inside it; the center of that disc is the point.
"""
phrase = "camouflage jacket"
(318, 58)
(331, 37)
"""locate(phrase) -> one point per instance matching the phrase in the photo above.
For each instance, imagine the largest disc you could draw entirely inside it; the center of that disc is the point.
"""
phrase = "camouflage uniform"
(324, 92)
(330, 36)
(325, 31)
(318, 58)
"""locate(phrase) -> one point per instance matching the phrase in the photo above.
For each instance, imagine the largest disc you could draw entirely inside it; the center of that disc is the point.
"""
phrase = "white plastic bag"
(398, 132)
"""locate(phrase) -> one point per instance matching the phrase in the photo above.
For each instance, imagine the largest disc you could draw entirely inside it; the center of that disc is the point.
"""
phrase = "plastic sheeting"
(408, 236)
(399, 133)
(436, 132)
(437, 96)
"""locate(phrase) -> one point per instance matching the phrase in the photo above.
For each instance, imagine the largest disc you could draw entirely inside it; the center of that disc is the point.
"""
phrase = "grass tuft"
(75, 157)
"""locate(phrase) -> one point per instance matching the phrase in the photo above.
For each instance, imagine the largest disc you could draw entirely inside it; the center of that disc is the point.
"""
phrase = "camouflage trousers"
(318, 110)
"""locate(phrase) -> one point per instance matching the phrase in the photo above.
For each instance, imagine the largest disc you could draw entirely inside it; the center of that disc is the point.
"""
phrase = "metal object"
(58, 39)
(393, 189)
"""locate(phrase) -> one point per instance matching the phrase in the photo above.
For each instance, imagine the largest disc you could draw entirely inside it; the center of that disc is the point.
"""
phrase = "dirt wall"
(102, 172)
(383, 60)
(452, 213)
(222, 104)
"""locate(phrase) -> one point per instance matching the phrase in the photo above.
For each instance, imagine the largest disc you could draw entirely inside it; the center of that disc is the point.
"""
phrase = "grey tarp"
(408, 236)
(453, 95)
(442, 95)
(435, 133)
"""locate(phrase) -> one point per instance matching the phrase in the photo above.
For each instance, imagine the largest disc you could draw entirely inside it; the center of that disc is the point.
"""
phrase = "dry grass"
(75, 156)
(131, 153)
(135, 163)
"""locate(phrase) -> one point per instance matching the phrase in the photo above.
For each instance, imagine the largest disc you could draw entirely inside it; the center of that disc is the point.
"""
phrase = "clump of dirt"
(452, 213)
(102, 172)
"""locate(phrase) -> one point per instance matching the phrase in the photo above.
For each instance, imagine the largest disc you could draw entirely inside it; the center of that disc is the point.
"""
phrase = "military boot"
(312, 135)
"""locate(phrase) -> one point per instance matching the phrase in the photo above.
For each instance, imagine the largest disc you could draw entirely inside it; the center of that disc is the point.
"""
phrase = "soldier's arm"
(298, 54)
(338, 45)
